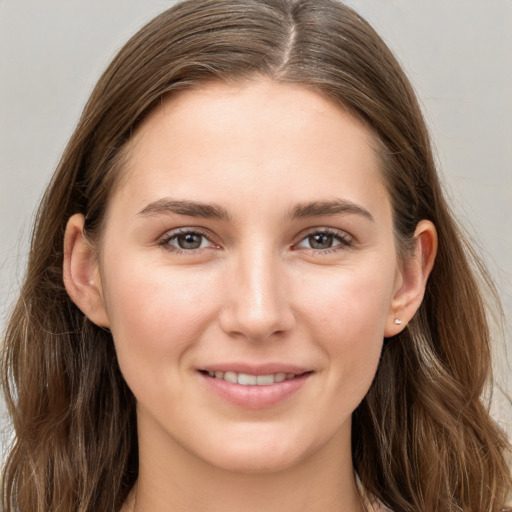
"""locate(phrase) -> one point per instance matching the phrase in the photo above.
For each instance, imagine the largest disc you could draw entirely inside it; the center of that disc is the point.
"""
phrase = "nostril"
(252, 325)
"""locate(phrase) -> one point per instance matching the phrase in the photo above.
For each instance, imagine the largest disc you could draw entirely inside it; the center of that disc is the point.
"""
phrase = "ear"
(413, 279)
(81, 272)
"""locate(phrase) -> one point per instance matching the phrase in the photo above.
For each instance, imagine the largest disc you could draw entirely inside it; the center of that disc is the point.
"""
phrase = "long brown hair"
(422, 438)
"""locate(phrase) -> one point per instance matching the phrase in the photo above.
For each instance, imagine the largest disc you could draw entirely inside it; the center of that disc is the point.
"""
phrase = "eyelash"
(165, 242)
(344, 240)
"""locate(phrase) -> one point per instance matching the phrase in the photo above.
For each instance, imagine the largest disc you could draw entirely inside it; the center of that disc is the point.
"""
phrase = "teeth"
(265, 380)
(231, 377)
(248, 380)
(251, 380)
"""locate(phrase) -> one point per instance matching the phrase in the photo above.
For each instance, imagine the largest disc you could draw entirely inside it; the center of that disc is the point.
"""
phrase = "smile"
(246, 379)
(256, 387)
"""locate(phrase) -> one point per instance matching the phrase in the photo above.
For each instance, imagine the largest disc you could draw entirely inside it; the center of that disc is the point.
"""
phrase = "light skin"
(251, 228)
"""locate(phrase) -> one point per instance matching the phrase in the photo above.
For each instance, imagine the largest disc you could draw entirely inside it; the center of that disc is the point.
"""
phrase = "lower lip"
(256, 397)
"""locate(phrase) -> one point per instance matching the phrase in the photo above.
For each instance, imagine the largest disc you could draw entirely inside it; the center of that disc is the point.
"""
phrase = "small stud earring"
(398, 321)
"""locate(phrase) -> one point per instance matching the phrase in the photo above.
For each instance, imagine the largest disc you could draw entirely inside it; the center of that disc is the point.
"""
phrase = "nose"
(257, 305)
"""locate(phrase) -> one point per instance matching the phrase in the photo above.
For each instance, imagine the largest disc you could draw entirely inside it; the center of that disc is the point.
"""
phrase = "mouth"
(255, 388)
(247, 379)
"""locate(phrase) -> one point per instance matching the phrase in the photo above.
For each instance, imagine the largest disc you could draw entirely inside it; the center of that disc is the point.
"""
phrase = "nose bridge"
(258, 303)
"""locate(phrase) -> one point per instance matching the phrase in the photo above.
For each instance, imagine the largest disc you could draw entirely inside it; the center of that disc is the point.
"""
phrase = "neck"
(173, 479)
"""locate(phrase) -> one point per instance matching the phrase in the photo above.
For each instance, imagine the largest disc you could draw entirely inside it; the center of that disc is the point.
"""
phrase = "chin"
(261, 450)
(257, 460)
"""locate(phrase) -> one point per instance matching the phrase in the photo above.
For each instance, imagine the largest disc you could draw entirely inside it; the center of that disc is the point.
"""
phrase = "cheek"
(350, 304)
(155, 313)
(347, 318)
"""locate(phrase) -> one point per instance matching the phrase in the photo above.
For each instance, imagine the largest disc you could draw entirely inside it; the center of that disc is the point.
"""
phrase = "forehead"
(264, 138)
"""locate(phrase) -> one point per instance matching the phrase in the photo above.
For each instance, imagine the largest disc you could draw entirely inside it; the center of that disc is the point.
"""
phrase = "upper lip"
(255, 369)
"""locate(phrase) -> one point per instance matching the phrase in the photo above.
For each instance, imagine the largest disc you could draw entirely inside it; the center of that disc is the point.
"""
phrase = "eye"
(185, 241)
(325, 240)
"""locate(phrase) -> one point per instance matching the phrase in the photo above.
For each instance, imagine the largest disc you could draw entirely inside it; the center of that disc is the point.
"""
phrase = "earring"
(398, 321)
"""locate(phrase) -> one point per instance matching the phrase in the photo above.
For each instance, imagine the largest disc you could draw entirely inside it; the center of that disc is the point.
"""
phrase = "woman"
(246, 290)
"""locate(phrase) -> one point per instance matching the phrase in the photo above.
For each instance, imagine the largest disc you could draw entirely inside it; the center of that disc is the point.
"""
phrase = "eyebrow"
(213, 211)
(334, 207)
(189, 208)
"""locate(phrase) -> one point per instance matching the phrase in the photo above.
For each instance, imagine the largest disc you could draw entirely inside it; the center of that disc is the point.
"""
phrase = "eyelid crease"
(339, 233)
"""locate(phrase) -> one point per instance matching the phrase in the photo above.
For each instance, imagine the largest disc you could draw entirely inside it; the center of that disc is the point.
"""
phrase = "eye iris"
(189, 240)
(321, 241)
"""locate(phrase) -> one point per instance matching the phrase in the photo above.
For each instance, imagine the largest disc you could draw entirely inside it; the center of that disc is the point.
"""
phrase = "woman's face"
(250, 240)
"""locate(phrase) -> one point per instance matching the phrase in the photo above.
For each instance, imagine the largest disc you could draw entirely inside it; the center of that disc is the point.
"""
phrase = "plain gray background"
(458, 54)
